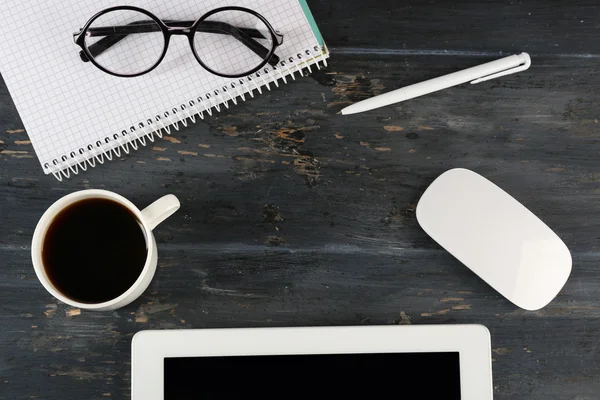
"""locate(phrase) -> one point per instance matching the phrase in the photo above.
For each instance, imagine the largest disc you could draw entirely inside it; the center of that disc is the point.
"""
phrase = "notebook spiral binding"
(132, 138)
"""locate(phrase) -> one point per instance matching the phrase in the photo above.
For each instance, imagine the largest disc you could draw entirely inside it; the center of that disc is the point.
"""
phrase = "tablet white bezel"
(150, 348)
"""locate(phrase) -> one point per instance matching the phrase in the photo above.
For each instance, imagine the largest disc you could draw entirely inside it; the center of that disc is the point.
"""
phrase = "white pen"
(484, 72)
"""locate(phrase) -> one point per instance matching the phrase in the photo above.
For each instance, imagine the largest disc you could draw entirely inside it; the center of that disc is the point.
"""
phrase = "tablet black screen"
(398, 375)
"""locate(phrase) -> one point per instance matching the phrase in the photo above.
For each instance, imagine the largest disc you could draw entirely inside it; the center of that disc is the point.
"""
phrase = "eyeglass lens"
(232, 42)
(125, 42)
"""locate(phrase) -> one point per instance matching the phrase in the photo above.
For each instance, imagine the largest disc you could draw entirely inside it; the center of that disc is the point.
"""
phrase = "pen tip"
(339, 113)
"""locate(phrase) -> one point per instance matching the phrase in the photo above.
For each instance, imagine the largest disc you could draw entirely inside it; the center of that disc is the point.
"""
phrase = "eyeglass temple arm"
(244, 35)
(111, 38)
(115, 34)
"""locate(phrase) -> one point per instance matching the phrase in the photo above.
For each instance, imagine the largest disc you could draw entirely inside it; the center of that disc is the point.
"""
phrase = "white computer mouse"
(496, 237)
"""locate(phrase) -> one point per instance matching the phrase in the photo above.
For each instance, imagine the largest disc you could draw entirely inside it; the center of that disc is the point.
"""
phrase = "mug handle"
(160, 210)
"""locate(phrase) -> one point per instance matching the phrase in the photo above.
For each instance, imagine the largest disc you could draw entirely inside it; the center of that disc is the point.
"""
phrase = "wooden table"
(293, 215)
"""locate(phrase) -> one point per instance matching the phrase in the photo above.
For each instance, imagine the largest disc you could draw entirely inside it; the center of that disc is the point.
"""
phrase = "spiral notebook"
(78, 116)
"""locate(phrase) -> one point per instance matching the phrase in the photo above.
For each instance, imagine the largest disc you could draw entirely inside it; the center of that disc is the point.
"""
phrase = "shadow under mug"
(148, 218)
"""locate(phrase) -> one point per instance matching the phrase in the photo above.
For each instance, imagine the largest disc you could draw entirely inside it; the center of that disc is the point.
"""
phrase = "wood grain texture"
(293, 215)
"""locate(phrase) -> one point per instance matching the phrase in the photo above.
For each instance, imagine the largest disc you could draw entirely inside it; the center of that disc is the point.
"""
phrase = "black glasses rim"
(80, 40)
(167, 33)
(234, 8)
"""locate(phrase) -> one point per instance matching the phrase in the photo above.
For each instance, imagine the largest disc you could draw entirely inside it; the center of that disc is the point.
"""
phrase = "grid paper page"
(67, 105)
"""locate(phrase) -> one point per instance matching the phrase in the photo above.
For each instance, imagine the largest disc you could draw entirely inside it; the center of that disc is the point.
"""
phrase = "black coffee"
(94, 250)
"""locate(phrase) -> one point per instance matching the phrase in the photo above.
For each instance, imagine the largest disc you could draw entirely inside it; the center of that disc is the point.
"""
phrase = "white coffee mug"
(149, 218)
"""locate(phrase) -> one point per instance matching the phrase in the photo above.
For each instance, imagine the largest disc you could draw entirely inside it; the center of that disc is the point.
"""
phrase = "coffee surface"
(94, 250)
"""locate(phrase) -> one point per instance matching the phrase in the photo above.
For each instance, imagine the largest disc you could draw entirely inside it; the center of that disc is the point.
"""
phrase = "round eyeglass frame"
(168, 32)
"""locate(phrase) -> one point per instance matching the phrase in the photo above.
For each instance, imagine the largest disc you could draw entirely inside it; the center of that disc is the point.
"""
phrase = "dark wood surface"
(293, 215)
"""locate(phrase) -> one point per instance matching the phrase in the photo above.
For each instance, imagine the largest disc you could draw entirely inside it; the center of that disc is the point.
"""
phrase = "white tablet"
(448, 362)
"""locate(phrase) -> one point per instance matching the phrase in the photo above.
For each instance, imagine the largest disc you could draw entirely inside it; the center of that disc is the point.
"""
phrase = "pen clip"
(526, 64)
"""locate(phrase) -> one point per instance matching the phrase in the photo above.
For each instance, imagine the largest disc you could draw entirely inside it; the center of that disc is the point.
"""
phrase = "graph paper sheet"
(69, 108)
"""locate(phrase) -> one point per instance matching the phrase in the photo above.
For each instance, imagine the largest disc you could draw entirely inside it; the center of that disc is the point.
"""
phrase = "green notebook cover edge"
(311, 22)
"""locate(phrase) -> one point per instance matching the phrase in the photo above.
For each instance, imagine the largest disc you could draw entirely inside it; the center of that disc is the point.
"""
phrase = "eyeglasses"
(128, 41)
